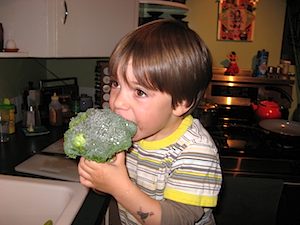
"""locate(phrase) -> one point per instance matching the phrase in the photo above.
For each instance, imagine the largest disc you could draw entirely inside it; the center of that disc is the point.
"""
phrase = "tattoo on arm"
(144, 215)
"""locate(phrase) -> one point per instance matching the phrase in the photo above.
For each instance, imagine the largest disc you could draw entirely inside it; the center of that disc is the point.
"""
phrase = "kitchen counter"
(246, 185)
(19, 148)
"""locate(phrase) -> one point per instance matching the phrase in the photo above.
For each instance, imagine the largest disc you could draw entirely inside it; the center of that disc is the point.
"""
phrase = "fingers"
(84, 174)
(83, 170)
(86, 182)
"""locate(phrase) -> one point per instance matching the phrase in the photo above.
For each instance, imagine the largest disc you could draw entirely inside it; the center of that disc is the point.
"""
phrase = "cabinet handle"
(66, 12)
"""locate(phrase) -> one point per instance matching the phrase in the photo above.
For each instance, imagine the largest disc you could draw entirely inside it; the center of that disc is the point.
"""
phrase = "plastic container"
(7, 112)
(55, 111)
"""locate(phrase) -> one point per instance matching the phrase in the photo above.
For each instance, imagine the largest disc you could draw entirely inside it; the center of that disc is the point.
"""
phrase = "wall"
(83, 69)
(15, 74)
(269, 23)
(268, 33)
(202, 17)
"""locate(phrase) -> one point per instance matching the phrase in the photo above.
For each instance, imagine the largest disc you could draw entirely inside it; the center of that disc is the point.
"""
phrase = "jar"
(285, 66)
(55, 111)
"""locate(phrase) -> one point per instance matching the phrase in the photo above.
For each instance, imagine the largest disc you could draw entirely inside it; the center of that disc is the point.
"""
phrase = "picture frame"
(236, 20)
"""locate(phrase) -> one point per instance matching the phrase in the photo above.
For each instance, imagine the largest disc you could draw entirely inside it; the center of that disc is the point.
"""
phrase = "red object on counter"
(232, 68)
(267, 109)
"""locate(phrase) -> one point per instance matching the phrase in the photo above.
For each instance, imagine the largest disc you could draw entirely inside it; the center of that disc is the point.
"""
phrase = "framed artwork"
(236, 20)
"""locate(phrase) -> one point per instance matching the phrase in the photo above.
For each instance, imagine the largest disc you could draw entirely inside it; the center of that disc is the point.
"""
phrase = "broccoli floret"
(98, 134)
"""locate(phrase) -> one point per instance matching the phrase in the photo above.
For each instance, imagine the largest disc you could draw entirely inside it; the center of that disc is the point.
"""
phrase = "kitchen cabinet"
(70, 28)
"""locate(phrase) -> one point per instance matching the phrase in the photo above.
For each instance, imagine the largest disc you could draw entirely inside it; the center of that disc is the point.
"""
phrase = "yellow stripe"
(171, 139)
(145, 158)
(191, 199)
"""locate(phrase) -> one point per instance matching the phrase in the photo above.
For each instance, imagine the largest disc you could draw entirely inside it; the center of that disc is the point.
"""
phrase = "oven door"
(231, 93)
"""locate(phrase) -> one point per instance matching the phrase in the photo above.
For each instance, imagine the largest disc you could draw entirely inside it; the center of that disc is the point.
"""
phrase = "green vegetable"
(49, 222)
(98, 134)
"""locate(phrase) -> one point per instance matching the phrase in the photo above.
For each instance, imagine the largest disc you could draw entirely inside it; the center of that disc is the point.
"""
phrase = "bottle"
(261, 63)
(55, 111)
(30, 119)
(1, 38)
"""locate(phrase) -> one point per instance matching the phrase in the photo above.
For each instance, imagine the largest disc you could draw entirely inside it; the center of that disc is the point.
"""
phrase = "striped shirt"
(183, 167)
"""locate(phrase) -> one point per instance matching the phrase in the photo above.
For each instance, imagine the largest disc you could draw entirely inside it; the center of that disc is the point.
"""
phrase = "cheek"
(111, 100)
(148, 123)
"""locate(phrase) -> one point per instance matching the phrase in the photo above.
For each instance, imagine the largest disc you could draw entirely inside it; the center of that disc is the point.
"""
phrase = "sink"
(34, 201)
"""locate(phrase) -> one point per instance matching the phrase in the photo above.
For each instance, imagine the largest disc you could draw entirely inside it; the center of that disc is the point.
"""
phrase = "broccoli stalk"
(98, 134)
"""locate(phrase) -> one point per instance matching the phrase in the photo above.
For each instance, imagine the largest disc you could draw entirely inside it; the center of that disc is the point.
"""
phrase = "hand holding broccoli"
(97, 135)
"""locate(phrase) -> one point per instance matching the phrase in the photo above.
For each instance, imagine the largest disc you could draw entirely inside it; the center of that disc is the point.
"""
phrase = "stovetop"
(248, 150)
(252, 141)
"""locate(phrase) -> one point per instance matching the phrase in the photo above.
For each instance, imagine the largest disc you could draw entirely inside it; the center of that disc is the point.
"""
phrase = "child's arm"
(176, 213)
(112, 178)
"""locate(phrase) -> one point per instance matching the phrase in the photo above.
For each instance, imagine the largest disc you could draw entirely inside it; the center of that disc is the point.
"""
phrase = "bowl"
(11, 50)
(155, 14)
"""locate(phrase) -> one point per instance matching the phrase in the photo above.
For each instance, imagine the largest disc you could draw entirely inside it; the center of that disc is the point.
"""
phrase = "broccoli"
(98, 134)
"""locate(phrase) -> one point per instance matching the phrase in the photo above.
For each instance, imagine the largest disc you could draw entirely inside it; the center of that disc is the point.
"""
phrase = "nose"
(118, 99)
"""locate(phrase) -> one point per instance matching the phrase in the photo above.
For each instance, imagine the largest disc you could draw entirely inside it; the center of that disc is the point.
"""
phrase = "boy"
(171, 175)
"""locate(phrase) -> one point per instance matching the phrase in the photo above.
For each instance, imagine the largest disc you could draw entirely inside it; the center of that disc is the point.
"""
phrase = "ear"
(181, 108)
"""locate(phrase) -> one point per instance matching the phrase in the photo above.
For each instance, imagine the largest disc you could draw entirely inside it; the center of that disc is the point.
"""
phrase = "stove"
(245, 148)
(252, 141)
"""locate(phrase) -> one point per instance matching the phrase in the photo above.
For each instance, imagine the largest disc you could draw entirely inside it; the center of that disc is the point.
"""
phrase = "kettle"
(86, 102)
(267, 109)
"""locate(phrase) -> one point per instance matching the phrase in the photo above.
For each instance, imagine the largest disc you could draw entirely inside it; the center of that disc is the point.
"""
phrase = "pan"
(206, 113)
(282, 127)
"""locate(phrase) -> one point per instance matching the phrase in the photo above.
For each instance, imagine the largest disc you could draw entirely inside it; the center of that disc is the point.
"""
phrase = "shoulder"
(197, 135)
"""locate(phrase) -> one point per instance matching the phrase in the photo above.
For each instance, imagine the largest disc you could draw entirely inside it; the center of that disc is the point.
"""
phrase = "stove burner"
(251, 140)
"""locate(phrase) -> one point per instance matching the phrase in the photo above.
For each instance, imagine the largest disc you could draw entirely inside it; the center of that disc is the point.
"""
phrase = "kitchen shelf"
(163, 9)
(166, 4)
(14, 54)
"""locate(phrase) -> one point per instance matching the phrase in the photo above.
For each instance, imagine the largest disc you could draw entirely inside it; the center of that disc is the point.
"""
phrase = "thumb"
(119, 158)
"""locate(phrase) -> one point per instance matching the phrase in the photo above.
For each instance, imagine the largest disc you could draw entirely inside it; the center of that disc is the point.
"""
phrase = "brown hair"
(166, 56)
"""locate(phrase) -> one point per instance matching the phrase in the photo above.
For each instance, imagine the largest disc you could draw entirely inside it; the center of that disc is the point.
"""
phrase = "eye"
(140, 93)
(114, 83)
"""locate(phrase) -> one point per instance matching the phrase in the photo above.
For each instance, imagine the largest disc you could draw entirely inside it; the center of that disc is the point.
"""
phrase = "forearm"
(145, 209)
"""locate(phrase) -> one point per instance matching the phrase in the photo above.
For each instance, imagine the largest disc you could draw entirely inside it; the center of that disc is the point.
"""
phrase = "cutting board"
(57, 147)
(57, 167)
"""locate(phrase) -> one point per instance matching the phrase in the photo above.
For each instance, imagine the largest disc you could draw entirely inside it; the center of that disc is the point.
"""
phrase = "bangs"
(146, 65)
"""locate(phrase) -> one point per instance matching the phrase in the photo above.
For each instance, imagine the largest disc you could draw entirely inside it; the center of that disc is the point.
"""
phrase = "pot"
(286, 133)
(207, 114)
(267, 109)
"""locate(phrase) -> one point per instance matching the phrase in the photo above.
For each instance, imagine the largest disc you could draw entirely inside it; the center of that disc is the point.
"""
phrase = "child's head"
(168, 57)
